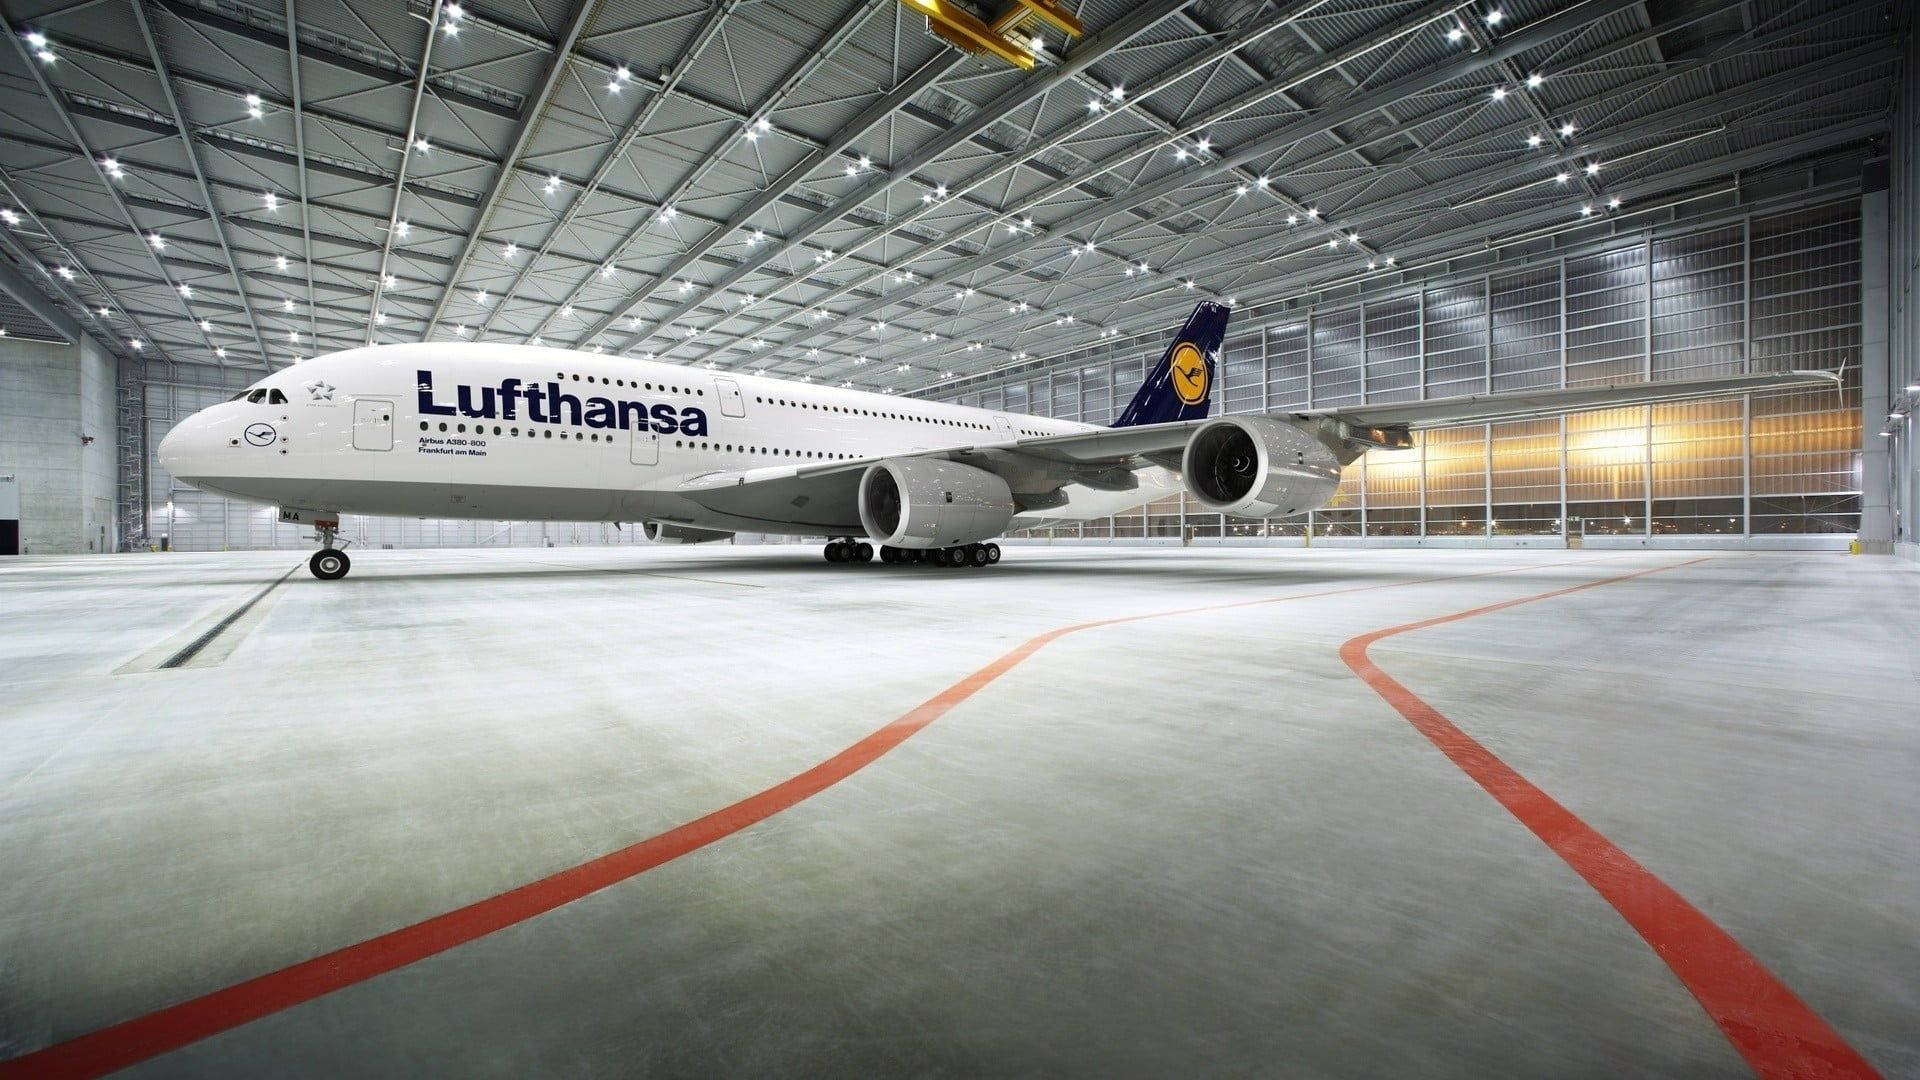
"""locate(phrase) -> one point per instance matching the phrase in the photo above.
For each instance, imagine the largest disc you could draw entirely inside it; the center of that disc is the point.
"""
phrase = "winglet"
(1180, 386)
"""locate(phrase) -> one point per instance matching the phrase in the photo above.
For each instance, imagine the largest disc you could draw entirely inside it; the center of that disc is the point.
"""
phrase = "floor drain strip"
(193, 647)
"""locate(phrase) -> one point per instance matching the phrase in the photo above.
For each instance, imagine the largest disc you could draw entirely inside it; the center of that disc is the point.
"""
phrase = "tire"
(886, 555)
(835, 553)
(976, 554)
(956, 556)
(329, 564)
(863, 552)
(993, 553)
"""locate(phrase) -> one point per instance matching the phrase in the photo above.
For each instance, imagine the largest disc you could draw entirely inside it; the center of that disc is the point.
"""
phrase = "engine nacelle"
(931, 503)
(662, 532)
(1258, 467)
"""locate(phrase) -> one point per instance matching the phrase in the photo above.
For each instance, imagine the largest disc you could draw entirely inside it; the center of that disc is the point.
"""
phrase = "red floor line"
(170, 1028)
(1772, 1029)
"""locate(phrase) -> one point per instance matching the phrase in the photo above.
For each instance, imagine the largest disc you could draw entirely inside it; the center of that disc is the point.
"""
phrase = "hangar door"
(372, 425)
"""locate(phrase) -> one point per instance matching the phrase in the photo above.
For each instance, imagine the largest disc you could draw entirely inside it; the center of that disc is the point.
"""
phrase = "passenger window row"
(635, 384)
(769, 451)
(532, 433)
(938, 421)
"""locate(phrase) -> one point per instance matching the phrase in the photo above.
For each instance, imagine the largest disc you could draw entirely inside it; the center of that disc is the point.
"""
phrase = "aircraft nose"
(180, 450)
(169, 452)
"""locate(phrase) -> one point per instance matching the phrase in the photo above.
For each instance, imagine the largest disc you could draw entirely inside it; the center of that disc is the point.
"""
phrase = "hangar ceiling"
(824, 190)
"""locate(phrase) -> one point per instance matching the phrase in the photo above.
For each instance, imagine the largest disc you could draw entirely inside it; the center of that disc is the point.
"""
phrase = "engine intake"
(931, 502)
(1258, 467)
(663, 532)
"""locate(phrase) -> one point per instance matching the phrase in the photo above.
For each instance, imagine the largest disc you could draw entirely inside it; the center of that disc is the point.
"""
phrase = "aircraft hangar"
(1567, 729)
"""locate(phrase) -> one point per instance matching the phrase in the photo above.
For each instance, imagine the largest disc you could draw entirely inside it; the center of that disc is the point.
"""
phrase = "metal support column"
(1876, 461)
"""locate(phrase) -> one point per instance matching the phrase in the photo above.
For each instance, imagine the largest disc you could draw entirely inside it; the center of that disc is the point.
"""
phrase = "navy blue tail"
(1180, 386)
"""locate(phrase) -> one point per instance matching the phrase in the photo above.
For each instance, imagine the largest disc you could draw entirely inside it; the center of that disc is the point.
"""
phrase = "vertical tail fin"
(1180, 386)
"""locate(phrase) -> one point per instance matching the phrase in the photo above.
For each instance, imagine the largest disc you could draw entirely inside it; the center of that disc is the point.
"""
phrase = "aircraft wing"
(1537, 404)
(825, 493)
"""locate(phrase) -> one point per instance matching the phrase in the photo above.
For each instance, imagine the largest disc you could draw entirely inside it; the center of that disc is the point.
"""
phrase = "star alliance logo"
(319, 391)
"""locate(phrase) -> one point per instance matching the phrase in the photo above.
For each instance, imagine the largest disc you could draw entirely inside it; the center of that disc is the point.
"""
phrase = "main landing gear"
(329, 563)
(849, 551)
(960, 555)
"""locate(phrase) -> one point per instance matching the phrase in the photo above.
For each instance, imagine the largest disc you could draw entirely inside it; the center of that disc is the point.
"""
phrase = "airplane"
(517, 432)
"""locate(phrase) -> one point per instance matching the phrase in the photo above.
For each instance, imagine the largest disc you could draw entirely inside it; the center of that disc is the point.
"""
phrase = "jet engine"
(1258, 467)
(931, 503)
(661, 532)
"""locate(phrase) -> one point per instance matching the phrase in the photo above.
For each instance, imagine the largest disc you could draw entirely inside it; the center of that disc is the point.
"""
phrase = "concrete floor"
(1195, 844)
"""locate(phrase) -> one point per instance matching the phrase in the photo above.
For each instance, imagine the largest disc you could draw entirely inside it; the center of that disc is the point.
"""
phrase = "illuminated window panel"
(1606, 316)
(1341, 516)
(1393, 522)
(1456, 335)
(1526, 330)
(1806, 443)
(1165, 523)
(1392, 477)
(1040, 397)
(1456, 465)
(1337, 355)
(1243, 375)
(1699, 517)
(1066, 396)
(1096, 394)
(1698, 450)
(1699, 305)
(1526, 461)
(1392, 370)
(1287, 365)
(1607, 455)
(1200, 520)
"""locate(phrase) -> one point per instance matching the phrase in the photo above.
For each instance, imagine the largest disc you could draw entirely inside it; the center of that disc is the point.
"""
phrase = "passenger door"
(1002, 426)
(646, 445)
(372, 424)
(731, 401)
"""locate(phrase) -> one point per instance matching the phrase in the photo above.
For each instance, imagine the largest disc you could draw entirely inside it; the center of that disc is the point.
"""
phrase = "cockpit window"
(275, 397)
(238, 396)
(257, 396)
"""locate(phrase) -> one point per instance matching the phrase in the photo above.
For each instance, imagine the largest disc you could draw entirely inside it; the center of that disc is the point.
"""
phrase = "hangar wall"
(1759, 291)
(57, 439)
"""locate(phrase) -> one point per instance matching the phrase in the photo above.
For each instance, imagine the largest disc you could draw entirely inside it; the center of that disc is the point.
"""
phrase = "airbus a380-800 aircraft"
(514, 432)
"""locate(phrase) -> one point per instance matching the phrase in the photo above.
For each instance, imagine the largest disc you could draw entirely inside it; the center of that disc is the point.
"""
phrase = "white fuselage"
(515, 432)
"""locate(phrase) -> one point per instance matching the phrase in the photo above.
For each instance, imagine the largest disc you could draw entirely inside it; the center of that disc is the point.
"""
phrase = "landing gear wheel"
(956, 556)
(836, 552)
(913, 555)
(886, 555)
(863, 552)
(329, 564)
(976, 555)
(993, 553)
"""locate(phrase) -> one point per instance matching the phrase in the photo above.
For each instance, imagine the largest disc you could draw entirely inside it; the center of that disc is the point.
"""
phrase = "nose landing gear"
(329, 563)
